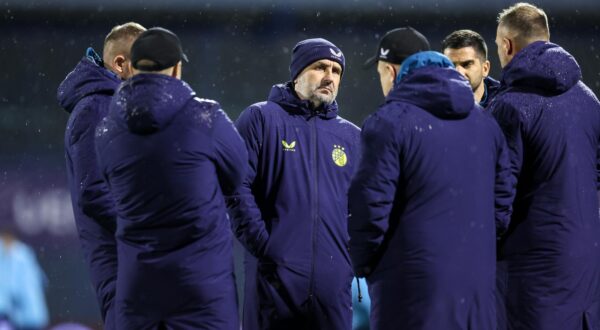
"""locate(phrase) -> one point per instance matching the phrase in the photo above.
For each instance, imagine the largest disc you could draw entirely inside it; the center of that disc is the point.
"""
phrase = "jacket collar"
(285, 96)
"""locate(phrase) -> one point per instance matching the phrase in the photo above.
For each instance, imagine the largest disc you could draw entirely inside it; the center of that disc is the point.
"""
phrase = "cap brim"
(369, 62)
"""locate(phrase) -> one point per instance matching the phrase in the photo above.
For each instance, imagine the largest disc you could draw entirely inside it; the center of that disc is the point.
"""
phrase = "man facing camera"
(468, 52)
(290, 212)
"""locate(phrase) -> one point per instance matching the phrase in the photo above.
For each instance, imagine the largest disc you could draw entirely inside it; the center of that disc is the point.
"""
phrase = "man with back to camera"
(168, 157)
(86, 93)
(468, 52)
(423, 222)
(549, 261)
(290, 213)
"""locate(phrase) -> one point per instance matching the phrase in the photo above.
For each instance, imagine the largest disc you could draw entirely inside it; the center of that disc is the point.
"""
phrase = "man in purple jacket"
(423, 225)
(85, 94)
(550, 258)
(168, 157)
(291, 211)
(469, 54)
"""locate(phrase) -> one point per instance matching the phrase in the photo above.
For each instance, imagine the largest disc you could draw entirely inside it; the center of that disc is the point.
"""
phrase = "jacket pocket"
(276, 304)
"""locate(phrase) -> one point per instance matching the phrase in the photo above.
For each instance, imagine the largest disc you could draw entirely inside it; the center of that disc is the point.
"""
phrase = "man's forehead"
(461, 54)
(326, 62)
(468, 50)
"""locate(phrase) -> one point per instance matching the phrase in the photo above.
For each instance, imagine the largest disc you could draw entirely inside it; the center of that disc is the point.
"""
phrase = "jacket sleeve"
(505, 186)
(93, 195)
(230, 153)
(246, 218)
(371, 194)
(598, 169)
(511, 123)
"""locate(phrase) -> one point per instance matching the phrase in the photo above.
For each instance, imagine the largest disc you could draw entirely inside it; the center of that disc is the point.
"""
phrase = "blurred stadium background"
(237, 50)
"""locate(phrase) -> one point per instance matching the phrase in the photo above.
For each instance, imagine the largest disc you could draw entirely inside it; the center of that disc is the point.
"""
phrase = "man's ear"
(486, 68)
(176, 73)
(118, 63)
(392, 72)
(508, 46)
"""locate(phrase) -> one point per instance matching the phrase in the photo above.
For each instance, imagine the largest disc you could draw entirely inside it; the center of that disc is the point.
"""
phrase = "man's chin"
(326, 101)
(325, 95)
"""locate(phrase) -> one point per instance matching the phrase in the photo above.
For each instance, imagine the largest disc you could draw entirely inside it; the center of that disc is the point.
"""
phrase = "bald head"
(117, 45)
(519, 26)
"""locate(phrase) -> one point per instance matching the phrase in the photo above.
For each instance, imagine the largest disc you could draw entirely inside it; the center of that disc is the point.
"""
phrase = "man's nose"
(461, 70)
(328, 75)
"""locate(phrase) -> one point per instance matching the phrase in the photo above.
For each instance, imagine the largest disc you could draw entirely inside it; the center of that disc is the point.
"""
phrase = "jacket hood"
(429, 81)
(284, 95)
(147, 103)
(86, 79)
(542, 65)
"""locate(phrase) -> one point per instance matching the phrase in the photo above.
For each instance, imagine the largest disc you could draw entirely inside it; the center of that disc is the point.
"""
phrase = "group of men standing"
(467, 203)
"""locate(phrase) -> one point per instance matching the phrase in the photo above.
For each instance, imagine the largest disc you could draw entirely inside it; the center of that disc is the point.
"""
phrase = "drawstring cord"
(359, 293)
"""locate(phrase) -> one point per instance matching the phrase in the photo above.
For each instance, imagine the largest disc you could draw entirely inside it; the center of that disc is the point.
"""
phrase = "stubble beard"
(476, 87)
(310, 91)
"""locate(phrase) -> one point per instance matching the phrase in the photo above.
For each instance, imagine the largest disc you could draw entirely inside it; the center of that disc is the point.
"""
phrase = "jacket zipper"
(315, 205)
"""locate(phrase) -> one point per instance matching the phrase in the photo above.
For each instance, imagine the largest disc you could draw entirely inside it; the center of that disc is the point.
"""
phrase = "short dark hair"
(466, 38)
(527, 21)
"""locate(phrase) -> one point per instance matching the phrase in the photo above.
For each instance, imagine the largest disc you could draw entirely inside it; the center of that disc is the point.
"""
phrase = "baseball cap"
(159, 45)
(398, 44)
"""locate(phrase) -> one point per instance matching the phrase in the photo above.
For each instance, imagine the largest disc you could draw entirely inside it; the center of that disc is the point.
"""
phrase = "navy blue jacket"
(551, 253)
(291, 213)
(86, 93)
(168, 156)
(423, 220)
(491, 89)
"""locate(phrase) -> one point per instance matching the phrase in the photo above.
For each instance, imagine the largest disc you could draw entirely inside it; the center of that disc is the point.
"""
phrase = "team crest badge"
(339, 156)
